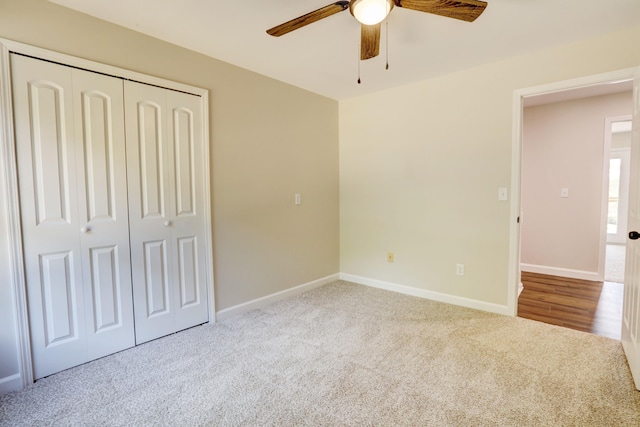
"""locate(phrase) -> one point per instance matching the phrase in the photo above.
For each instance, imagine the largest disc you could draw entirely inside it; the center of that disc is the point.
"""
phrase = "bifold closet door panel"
(47, 155)
(164, 157)
(70, 149)
(187, 232)
(104, 212)
(149, 217)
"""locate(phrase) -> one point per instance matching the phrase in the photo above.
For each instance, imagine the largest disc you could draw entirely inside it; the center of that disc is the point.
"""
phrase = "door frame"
(519, 96)
(9, 181)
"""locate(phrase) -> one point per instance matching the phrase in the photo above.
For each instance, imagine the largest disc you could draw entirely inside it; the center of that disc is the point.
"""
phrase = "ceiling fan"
(371, 13)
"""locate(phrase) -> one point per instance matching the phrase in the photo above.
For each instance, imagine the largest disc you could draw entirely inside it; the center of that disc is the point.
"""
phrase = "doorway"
(573, 198)
(561, 91)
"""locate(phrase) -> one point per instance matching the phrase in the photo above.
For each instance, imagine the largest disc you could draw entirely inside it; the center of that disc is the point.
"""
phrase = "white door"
(187, 231)
(103, 214)
(164, 160)
(631, 302)
(70, 147)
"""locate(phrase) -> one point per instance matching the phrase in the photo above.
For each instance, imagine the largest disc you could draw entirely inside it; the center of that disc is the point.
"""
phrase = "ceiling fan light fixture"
(370, 12)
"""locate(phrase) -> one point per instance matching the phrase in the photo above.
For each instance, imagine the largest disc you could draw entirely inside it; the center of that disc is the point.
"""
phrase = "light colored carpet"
(346, 354)
(614, 263)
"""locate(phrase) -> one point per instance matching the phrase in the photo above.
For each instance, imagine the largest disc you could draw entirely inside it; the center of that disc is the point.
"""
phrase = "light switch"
(503, 194)
(298, 199)
(564, 192)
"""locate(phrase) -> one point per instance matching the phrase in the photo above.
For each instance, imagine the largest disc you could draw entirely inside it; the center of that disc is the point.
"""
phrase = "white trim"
(430, 295)
(266, 300)
(515, 214)
(617, 76)
(9, 384)
(9, 169)
(516, 147)
(89, 65)
(208, 224)
(604, 197)
(593, 276)
(8, 166)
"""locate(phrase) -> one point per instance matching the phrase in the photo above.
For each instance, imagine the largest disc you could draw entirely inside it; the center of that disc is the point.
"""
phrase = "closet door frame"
(9, 173)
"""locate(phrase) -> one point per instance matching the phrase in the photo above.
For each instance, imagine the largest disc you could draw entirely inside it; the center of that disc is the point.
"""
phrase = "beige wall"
(420, 167)
(269, 140)
(563, 147)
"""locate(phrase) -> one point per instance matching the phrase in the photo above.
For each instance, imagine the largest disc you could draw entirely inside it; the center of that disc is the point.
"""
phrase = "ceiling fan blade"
(465, 10)
(369, 41)
(309, 18)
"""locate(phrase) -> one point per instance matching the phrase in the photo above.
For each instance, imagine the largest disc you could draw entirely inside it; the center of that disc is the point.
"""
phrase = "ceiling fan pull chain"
(386, 36)
(359, 65)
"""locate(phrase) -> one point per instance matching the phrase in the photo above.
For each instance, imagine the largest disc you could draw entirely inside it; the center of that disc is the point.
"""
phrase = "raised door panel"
(98, 140)
(47, 157)
(46, 146)
(150, 213)
(184, 147)
(103, 204)
(106, 289)
(188, 269)
(151, 159)
(59, 298)
(49, 147)
(156, 284)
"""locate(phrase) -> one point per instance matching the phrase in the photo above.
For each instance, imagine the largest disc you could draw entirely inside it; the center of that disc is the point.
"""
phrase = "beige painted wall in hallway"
(563, 147)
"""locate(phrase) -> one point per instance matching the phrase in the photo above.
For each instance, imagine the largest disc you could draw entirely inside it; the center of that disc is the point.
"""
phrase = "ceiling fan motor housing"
(370, 12)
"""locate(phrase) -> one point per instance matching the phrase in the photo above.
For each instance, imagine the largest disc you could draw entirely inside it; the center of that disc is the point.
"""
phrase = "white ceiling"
(323, 57)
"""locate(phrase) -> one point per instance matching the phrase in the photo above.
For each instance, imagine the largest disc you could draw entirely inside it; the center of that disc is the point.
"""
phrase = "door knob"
(85, 229)
(634, 235)
(167, 223)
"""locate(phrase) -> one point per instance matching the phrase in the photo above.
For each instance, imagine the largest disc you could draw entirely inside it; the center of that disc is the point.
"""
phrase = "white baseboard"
(261, 302)
(407, 290)
(562, 272)
(435, 296)
(11, 383)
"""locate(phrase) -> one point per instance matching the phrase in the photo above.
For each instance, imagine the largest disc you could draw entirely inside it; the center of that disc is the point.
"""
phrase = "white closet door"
(46, 151)
(103, 212)
(71, 169)
(187, 231)
(164, 159)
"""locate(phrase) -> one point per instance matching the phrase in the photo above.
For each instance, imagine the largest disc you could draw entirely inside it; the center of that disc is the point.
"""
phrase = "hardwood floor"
(594, 307)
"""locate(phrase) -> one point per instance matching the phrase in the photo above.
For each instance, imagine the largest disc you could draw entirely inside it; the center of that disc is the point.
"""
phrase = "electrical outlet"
(297, 199)
(503, 194)
(459, 269)
(390, 257)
